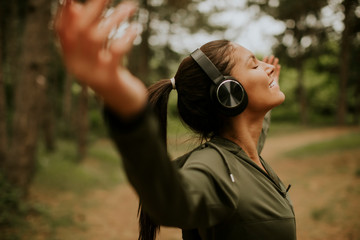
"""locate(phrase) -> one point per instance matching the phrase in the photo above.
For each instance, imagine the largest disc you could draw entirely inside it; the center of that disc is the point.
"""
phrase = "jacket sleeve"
(192, 197)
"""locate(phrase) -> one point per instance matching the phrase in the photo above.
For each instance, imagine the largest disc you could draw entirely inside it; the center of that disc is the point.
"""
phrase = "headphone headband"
(206, 64)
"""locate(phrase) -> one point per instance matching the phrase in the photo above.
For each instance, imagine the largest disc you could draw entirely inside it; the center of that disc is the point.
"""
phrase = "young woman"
(222, 189)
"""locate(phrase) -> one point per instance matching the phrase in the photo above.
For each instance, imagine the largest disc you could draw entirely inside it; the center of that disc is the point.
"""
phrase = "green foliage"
(357, 172)
(323, 214)
(322, 92)
(12, 210)
(95, 118)
(278, 128)
(289, 110)
(347, 142)
(59, 171)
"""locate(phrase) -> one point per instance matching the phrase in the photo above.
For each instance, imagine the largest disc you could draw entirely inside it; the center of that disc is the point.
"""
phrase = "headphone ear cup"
(229, 96)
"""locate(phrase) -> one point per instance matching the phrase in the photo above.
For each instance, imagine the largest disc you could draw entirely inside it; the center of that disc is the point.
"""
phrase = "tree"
(29, 90)
(306, 36)
(354, 77)
(3, 120)
(302, 36)
(3, 133)
(9, 22)
(140, 57)
(347, 36)
(152, 57)
(81, 123)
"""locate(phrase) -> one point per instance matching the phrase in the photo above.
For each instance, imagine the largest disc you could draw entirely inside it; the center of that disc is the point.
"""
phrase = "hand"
(277, 67)
(83, 33)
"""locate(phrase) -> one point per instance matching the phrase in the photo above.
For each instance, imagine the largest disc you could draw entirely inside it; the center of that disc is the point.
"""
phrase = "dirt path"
(112, 214)
(280, 144)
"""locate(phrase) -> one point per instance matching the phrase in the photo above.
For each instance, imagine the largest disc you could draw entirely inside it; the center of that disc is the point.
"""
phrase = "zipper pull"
(288, 188)
(286, 191)
(232, 177)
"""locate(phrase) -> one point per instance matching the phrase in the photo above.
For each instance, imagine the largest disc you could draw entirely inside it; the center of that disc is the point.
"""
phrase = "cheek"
(257, 101)
(255, 89)
(261, 98)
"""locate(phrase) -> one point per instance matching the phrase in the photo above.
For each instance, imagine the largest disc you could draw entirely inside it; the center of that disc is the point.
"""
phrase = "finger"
(66, 15)
(277, 72)
(278, 68)
(65, 23)
(266, 59)
(121, 13)
(123, 45)
(93, 10)
(63, 8)
(276, 61)
(271, 60)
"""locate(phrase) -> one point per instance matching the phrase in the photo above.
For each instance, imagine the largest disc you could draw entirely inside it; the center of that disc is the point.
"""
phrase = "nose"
(269, 68)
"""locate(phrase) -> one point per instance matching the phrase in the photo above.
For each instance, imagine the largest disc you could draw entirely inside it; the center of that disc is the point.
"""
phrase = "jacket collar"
(238, 151)
(229, 146)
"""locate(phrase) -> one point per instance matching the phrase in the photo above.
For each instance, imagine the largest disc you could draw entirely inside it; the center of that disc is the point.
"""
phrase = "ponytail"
(158, 100)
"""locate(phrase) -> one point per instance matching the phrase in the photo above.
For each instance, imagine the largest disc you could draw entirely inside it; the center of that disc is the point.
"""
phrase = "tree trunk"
(67, 98)
(13, 33)
(139, 58)
(47, 120)
(9, 49)
(30, 87)
(82, 123)
(349, 7)
(301, 93)
(3, 120)
(357, 104)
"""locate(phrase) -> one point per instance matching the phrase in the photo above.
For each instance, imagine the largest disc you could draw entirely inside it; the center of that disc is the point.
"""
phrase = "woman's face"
(258, 80)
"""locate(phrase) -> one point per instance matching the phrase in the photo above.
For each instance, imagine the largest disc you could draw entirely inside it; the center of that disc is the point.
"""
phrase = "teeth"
(272, 84)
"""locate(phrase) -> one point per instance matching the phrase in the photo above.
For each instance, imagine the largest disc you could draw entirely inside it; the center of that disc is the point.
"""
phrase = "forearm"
(126, 95)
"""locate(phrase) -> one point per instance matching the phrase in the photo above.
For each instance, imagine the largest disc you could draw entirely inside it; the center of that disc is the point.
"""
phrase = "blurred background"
(60, 176)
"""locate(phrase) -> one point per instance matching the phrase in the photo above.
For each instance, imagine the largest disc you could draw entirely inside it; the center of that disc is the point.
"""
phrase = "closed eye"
(256, 63)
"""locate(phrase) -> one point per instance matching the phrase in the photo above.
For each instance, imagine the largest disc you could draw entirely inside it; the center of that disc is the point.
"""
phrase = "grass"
(282, 128)
(60, 171)
(322, 214)
(348, 142)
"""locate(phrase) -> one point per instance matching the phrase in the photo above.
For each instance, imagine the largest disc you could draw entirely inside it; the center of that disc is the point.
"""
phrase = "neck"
(245, 130)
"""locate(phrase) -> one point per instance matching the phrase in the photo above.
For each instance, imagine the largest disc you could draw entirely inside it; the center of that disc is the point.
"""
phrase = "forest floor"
(325, 193)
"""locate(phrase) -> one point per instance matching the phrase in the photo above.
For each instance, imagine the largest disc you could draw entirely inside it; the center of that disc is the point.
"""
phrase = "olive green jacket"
(218, 192)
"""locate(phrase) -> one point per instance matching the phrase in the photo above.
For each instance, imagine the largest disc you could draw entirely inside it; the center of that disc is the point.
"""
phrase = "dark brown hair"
(194, 105)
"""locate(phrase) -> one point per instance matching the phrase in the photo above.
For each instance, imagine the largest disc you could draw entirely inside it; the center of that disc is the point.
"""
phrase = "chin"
(280, 100)
(282, 96)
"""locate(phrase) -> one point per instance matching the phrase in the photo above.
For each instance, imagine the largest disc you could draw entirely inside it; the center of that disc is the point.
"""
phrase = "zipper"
(266, 174)
(243, 157)
(283, 192)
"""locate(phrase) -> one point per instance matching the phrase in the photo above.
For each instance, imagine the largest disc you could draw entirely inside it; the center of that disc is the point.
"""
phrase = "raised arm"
(98, 63)
(95, 61)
